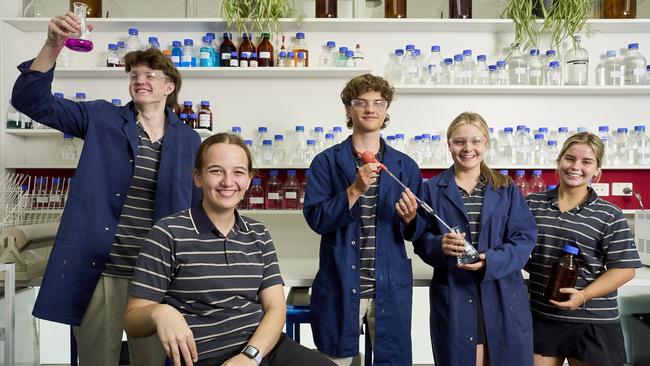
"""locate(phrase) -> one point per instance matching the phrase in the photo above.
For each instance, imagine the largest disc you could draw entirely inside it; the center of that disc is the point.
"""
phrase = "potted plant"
(562, 19)
(256, 15)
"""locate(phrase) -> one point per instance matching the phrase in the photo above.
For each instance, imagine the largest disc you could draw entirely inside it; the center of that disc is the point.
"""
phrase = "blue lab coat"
(99, 188)
(336, 289)
(507, 237)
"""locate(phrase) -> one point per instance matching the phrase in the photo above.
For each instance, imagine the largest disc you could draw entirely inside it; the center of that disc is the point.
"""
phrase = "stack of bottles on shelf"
(41, 193)
(343, 57)
(276, 193)
(296, 150)
(201, 119)
(521, 147)
(409, 66)
(16, 119)
(211, 53)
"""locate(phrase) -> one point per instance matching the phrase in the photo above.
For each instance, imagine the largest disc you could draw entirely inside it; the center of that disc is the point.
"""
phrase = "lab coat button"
(354, 290)
(471, 301)
(117, 194)
(93, 264)
(471, 338)
(106, 228)
(353, 242)
(354, 267)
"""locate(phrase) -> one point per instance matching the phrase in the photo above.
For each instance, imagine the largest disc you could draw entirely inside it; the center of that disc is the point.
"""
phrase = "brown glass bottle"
(460, 9)
(187, 108)
(564, 273)
(395, 9)
(619, 9)
(246, 47)
(225, 49)
(205, 116)
(94, 8)
(265, 51)
(326, 8)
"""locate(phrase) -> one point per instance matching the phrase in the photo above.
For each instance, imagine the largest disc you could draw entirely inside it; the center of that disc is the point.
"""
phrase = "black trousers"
(285, 353)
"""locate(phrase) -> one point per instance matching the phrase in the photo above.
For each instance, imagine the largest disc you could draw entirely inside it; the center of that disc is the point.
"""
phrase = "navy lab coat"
(336, 289)
(101, 182)
(507, 237)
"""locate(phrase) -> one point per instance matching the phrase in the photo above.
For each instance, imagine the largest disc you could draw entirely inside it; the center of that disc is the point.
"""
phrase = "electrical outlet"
(601, 189)
(617, 189)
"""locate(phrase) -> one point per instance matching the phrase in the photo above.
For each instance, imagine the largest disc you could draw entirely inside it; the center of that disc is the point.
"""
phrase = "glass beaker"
(470, 254)
(83, 42)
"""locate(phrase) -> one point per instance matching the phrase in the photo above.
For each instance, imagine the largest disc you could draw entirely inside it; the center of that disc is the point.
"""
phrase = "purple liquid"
(79, 45)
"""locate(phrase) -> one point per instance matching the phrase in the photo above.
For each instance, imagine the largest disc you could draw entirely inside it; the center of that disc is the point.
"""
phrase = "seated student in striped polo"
(586, 329)
(207, 280)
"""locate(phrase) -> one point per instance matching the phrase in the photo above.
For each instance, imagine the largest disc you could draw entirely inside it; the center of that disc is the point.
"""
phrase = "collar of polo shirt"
(203, 224)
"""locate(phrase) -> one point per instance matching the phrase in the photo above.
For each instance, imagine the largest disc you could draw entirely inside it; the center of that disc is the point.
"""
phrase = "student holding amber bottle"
(586, 328)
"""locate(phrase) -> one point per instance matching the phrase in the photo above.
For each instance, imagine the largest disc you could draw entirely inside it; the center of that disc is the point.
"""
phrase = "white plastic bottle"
(459, 71)
(394, 67)
(641, 146)
(469, 68)
(620, 144)
(517, 67)
(411, 68)
(327, 58)
(482, 71)
(523, 146)
(554, 74)
(538, 153)
(506, 147)
(188, 53)
(447, 73)
(503, 78)
(552, 150)
(492, 156)
(279, 150)
(434, 66)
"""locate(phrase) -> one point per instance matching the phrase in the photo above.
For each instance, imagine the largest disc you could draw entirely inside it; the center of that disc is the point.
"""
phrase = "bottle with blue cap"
(226, 48)
(177, 53)
(506, 147)
(68, 149)
(273, 191)
(278, 150)
(394, 67)
(613, 70)
(634, 65)
(80, 96)
(310, 152)
(187, 59)
(265, 153)
(564, 273)
(256, 195)
(153, 42)
(492, 70)
(535, 68)
(537, 184)
(502, 75)
(133, 43)
(328, 57)
(620, 146)
(207, 52)
(538, 154)
(576, 66)
(482, 71)
(469, 68)
(116, 102)
(554, 74)
(300, 45)
(640, 145)
(433, 66)
(291, 191)
(112, 59)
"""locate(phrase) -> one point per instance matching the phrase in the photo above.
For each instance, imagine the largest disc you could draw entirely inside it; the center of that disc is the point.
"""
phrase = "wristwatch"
(252, 353)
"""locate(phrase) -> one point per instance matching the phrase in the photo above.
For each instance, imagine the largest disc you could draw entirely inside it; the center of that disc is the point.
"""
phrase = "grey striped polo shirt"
(212, 279)
(136, 218)
(473, 204)
(368, 223)
(601, 232)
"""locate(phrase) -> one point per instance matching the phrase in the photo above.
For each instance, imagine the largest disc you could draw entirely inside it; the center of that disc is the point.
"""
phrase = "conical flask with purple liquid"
(83, 42)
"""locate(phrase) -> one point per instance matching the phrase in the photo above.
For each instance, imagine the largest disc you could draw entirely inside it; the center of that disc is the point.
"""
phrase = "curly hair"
(155, 59)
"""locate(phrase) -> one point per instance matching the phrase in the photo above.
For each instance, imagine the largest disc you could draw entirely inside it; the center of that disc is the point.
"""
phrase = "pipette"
(470, 255)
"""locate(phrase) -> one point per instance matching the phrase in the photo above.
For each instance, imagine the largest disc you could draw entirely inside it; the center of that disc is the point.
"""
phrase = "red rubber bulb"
(368, 157)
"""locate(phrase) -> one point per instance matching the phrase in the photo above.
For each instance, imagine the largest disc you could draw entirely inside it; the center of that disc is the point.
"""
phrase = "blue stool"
(296, 315)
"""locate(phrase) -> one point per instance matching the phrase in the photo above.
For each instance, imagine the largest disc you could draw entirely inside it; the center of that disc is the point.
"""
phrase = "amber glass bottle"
(395, 9)
(619, 9)
(326, 8)
(265, 51)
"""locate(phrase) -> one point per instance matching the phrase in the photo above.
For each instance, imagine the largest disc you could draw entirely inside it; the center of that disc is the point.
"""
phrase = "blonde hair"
(589, 139)
(497, 179)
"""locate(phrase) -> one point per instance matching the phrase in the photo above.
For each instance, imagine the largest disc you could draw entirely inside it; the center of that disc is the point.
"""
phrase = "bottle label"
(265, 54)
(252, 63)
(186, 58)
(234, 62)
(257, 200)
(520, 70)
(176, 59)
(555, 76)
(114, 60)
(204, 120)
(615, 74)
(274, 196)
(243, 63)
(206, 55)
(225, 56)
(291, 195)
(535, 73)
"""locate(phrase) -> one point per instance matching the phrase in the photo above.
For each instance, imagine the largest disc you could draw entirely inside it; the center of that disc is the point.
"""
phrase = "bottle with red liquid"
(300, 45)
(291, 191)
(273, 192)
(326, 8)
(303, 187)
(187, 107)
(521, 183)
(564, 273)
(256, 195)
(537, 184)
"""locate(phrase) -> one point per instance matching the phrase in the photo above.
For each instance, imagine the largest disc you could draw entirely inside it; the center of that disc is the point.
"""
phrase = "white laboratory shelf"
(523, 90)
(224, 72)
(33, 132)
(334, 25)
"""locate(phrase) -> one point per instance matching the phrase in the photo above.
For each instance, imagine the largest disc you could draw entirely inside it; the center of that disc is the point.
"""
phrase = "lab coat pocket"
(439, 303)
(520, 308)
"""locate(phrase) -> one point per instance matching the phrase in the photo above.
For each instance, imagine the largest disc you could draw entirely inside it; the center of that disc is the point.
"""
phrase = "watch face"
(250, 351)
